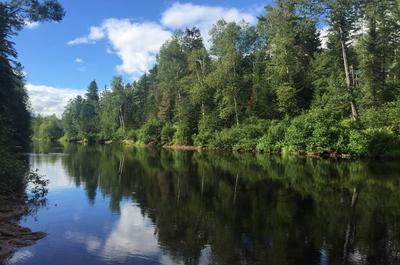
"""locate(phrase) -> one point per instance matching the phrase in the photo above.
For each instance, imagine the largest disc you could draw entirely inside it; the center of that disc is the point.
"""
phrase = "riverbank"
(12, 235)
(332, 155)
(393, 154)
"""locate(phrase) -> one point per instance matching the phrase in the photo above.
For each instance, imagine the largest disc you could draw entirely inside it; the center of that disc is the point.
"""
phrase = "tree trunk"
(236, 111)
(121, 119)
(202, 110)
(180, 105)
(235, 190)
(350, 229)
(353, 104)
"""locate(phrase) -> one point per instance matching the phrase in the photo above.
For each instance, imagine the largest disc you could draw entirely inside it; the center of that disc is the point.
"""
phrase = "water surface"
(114, 205)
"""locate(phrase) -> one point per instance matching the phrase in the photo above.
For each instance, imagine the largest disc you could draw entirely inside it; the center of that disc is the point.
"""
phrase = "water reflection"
(214, 208)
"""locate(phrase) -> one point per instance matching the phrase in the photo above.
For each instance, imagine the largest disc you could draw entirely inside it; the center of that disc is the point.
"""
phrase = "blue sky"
(101, 38)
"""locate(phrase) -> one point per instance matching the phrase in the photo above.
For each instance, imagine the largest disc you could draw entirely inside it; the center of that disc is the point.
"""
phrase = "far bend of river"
(115, 205)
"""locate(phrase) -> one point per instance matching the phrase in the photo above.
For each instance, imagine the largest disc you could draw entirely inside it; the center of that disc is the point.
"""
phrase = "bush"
(318, 130)
(373, 142)
(131, 135)
(388, 116)
(242, 138)
(203, 137)
(358, 142)
(225, 139)
(167, 134)
(206, 130)
(182, 134)
(298, 133)
(272, 141)
(150, 132)
(118, 135)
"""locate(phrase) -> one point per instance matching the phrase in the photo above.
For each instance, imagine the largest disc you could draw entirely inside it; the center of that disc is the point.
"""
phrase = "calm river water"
(114, 205)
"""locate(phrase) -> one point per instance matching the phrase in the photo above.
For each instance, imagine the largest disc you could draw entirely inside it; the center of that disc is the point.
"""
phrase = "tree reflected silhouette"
(251, 209)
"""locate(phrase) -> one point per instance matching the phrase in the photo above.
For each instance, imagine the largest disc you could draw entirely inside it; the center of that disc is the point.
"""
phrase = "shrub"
(298, 133)
(131, 135)
(358, 142)
(373, 142)
(150, 132)
(318, 130)
(167, 133)
(119, 135)
(225, 139)
(182, 134)
(388, 116)
(242, 138)
(272, 141)
(206, 130)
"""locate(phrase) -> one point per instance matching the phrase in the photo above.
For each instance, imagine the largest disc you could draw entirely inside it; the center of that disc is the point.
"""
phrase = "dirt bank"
(13, 235)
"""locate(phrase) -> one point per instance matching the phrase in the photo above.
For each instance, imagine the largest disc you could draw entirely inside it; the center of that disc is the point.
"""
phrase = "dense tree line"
(268, 87)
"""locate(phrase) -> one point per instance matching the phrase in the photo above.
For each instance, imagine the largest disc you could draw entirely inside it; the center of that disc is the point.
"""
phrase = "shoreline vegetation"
(276, 86)
(16, 198)
(314, 134)
(12, 235)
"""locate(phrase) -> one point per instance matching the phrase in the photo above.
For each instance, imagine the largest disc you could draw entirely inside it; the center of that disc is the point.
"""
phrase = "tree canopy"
(275, 85)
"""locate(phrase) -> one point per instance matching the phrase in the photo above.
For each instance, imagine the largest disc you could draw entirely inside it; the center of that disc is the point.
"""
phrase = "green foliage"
(182, 134)
(269, 87)
(373, 142)
(318, 130)
(239, 138)
(273, 138)
(167, 133)
(151, 132)
(206, 129)
(47, 128)
(15, 116)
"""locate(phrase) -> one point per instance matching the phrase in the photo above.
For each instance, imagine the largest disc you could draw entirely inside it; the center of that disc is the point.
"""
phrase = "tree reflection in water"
(223, 208)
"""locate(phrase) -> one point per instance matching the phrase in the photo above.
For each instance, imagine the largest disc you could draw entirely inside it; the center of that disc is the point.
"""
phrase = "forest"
(15, 114)
(318, 77)
(21, 189)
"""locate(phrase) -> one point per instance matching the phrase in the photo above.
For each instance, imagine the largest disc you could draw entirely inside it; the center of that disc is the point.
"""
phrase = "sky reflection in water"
(109, 205)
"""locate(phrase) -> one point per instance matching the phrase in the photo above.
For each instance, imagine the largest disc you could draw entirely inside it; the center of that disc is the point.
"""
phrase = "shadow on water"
(250, 209)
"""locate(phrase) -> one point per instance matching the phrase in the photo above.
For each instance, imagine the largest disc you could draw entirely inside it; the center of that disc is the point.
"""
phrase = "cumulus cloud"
(181, 15)
(95, 34)
(133, 235)
(31, 24)
(187, 15)
(135, 43)
(47, 100)
(138, 43)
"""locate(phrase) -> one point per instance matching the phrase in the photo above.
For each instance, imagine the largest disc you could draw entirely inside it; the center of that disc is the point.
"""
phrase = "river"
(116, 205)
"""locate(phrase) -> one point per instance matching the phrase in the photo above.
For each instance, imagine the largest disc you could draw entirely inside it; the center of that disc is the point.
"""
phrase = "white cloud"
(138, 43)
(31, 24)
(95, 34)
(180, 16)
(132, 235)
(79, 60)
(21, 256)
(47, 100)
(80, 40)
(323, 37)
(135, 43)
